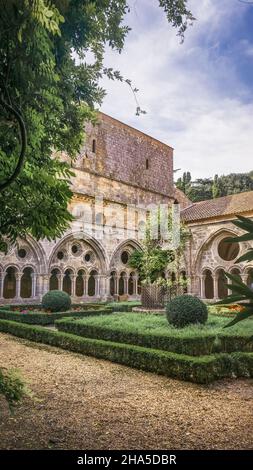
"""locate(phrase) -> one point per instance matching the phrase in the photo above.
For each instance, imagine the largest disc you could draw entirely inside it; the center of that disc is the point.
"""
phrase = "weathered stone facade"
(120, 174)
(208, 257)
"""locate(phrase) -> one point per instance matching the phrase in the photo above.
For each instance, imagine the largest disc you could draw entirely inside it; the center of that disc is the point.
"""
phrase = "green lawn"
(142, 323)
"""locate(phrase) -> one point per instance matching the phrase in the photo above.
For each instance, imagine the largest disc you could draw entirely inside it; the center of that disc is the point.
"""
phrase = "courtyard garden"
(189, 343)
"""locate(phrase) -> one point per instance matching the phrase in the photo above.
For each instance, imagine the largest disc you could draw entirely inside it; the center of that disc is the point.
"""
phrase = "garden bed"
(153, 331)
(204, 369)
(44, 318)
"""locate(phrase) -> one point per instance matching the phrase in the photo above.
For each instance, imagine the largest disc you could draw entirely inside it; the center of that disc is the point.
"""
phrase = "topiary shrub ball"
(56, 301)
(186, 310)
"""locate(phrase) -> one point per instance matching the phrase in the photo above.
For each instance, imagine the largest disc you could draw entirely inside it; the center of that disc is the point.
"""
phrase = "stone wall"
(203, 259)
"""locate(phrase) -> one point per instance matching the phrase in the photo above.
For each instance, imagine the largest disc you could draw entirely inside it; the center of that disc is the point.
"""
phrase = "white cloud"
(191, 92)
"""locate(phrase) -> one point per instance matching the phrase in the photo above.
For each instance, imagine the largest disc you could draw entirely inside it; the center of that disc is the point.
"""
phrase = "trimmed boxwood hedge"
(234, 342)
(204, 369)
(192, 346)
(39, 318)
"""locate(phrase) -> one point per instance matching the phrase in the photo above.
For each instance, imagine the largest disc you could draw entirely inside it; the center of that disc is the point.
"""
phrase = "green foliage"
(203, 369)
(154, 258)
(178, 14)
(48, 88)
(11, 385)
(191, 345)
(240, 291)
(185, 310)
(56, 301)
(208, 188)
(153, 331)
(40, 318)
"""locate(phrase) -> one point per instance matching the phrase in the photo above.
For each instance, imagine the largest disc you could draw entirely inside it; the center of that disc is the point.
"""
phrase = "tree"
(155, 258)
(208, 188)
(47, 90)
(240, 291)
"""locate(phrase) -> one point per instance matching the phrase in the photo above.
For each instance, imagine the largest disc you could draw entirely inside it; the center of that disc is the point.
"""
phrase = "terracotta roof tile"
(227, 205)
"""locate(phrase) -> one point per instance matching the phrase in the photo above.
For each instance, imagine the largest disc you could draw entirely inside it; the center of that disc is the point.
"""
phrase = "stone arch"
(67, 282)
(80, 282)
(122, 283)
(208, 284)
(10, 282)
(92, 284)
(54, 280)
(117, 263)
(215, 236)
(26, 283)
(87, 243)
(221, 281)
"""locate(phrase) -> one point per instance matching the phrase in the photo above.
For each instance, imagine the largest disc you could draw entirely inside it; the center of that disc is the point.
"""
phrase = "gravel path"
(79, 402)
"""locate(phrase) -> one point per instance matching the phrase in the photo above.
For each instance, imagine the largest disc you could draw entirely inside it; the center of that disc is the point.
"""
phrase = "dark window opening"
(94, 146)
(22, 253)
(147, 164)
(60, 255)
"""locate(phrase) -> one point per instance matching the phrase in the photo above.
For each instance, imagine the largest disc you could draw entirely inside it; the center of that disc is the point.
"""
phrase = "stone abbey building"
(119, 175)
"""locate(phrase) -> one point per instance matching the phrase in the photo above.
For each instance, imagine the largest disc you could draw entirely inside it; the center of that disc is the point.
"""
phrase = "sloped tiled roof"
(222, 206)
(182, 198)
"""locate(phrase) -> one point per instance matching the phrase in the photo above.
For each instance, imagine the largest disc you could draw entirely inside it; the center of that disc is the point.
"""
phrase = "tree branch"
(23, 135)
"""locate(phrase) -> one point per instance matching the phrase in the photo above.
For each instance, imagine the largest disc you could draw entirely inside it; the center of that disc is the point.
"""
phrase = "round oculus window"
(227, 250)
(22, 253)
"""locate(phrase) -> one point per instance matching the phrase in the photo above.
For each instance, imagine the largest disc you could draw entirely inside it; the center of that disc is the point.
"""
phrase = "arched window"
(122, 284)
(10, 283)
(222, 281)
(67, 282)
(209, 285)
(112, 283)
(54, 281)
(92, 284)
(26, 284)
(236, 272)
(80, 283)
(131, 284)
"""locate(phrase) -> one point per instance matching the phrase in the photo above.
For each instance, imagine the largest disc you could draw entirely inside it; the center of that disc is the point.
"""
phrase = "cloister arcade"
(217, 256)
(77, 265)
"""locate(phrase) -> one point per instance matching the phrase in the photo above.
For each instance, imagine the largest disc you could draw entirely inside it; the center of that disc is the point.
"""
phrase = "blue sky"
(198, 95)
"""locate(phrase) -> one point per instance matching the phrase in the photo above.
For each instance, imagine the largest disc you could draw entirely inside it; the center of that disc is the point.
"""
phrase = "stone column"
(2, 276)
(18, 285)
(215, 286)
(108, 286)
(97, 284)
(73, 284)
(34, 284)
(60, 281)
(202, 286)
(126, 283)
(116, 285)
(135, 285)
(85, 284)
(245, 277)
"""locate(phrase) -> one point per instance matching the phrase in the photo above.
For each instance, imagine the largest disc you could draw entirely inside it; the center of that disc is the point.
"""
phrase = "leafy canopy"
(154, 257)
(47, 90)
